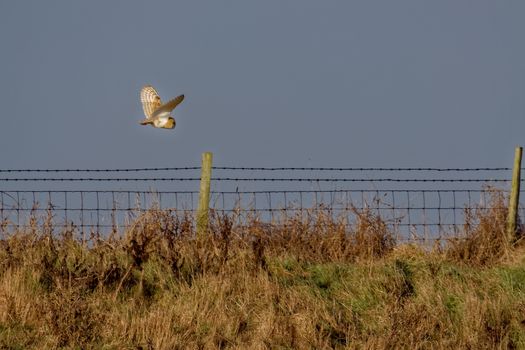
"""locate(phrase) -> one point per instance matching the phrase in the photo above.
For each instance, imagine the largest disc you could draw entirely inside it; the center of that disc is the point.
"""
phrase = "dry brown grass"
(484, 241)
(309, 281)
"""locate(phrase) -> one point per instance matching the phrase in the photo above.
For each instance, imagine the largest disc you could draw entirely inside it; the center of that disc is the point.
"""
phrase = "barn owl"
(157, 114)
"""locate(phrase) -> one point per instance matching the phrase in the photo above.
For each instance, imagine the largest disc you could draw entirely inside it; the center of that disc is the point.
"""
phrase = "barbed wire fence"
(417, 202)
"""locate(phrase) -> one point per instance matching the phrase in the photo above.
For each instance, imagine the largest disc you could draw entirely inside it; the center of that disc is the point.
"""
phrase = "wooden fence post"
(204, 194)
(514, 196)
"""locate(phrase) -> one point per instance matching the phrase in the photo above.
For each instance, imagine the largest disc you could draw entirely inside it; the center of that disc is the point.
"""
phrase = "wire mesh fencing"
(416, 203)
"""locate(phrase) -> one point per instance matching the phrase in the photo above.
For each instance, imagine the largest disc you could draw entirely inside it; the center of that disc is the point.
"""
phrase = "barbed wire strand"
(361, 169)
(474, 191)
(259, 169)
(94, 170)
(250, 179)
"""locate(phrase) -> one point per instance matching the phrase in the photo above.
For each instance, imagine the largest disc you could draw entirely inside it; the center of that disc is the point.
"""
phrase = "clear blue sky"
(267, 83)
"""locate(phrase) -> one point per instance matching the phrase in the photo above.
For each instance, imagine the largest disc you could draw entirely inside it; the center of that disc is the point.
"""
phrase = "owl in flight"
(158, 114)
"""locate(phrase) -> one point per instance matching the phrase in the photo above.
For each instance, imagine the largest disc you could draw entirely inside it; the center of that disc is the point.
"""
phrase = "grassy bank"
(308, 283)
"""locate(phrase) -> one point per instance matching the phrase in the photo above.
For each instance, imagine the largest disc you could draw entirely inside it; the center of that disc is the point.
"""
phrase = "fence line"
(431, 213)
(412, 212)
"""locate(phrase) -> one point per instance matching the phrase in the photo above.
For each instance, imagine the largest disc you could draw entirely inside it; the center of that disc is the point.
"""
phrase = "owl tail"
(146, 121)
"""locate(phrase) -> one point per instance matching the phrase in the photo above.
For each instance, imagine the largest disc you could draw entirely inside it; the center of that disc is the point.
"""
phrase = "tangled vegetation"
(311, 282)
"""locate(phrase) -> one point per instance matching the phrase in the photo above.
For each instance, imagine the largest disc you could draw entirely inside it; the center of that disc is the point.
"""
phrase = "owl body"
(157, 114)
(164, 121)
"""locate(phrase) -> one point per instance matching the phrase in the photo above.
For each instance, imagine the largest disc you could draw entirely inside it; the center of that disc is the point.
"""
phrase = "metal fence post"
(514, 196)
(204, 194)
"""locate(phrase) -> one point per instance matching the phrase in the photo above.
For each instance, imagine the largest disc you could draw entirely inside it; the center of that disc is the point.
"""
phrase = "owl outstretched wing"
(150, 100)
(170, 105)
